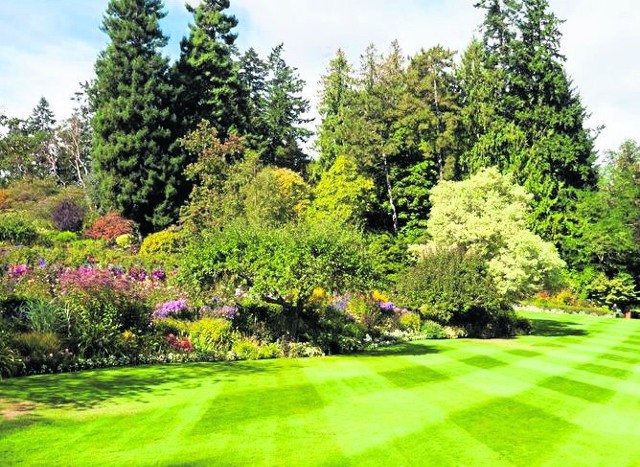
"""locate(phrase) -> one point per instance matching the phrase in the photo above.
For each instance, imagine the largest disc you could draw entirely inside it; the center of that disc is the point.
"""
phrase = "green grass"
(569, 395)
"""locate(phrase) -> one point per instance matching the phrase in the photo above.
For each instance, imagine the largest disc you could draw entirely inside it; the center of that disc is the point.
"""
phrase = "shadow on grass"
(90, 388)
(407, 348)
(550, 328)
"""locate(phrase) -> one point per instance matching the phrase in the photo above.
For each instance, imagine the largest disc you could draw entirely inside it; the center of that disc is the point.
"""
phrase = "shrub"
(63, 237)
(68, 216)
(110, 226)
(163, 243)
(211, 335)
(246, 349)
(10, 361)
(171, 326)
(300, 350)
(451, 287)
(124, 241)
(433, 330)
(15, 230)
(409, 321)
(36, 345)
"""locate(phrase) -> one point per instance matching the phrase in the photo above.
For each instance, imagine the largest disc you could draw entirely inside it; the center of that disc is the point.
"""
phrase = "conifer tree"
(206, 74)
(539, 114)
(132, 121)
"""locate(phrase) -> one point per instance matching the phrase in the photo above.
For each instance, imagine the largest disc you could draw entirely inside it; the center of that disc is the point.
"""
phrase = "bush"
(36, 346)
(433, 330)
(68, 216)
(10, 361)
(409, 321)
(164, 243)
(246, 349)
(450, 287)
(300, 350)
(63, 237)
(211, 335)
(43, 316)
(15, 230)
(109, 227)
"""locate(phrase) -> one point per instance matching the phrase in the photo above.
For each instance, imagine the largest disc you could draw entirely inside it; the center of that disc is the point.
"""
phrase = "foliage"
(433, 329)
(619, 292)
(68, 216)
(206, 78)
(109, 227)
(486, 217)
(43, 316)
(449, 286)
(281, 266)
(134, 170)
(162, 245)
(211, 335)
(14, 230)
(10, 361)
(342, 194)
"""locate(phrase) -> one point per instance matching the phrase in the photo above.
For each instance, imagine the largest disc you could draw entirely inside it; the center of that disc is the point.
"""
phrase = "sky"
(48, 47)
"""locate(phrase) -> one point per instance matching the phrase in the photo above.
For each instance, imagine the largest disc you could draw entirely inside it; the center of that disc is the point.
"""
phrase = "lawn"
(569, 395)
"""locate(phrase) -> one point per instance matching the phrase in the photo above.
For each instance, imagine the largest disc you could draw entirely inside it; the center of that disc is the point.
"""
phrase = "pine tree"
(336, 94)
(283, 115)
(132, 121)
(206, 74)
(539, 113)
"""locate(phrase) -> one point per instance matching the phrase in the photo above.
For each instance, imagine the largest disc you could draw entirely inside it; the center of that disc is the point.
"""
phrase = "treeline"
(219, 136)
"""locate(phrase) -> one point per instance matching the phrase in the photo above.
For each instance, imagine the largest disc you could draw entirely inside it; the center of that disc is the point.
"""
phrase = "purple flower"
(388, 306)
(18, 270)
(42, 262)
(163, 310)
(340, 302)
(158, 275)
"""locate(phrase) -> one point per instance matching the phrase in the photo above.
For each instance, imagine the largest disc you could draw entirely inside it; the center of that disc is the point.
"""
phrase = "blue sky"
(47, 47)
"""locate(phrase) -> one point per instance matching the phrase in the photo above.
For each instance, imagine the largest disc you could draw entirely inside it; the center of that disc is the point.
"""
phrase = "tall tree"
(335, 95)
(253, 75)
(284, 114)
(206, 74)
(132, 122)
(539, 111)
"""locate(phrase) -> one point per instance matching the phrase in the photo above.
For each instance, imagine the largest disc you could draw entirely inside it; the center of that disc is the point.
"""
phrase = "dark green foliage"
(450, 287)
(206, 77)
(538, 130)
(134, 170)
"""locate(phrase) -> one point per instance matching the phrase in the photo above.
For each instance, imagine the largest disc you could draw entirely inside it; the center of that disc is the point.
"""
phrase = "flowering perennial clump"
(163, 310)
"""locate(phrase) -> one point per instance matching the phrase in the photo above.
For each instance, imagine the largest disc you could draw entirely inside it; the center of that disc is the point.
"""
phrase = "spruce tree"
(283, 115)
(539, 114)
(206, 75)
(131, 162)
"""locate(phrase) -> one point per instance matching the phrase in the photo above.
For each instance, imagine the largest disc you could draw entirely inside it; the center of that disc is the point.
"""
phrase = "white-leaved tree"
(485, 216)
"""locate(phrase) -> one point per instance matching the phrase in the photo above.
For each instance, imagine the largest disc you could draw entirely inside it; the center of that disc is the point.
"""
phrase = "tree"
(538, 112)
(283, 117)
(253, 75)
(486, 217)
(134, 170)
(342, 194)
(206, 75)
(336, 94)
(604, 229)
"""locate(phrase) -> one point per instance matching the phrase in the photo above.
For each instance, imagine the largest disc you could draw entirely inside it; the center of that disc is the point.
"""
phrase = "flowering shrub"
(110, 226)
(18, 270)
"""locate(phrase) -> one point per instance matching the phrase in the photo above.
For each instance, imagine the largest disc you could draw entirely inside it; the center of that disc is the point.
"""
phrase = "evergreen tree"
(253, 76)
(132, 122)
(206, 74)
(283, 116)
(336, 94)
(540, 119)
